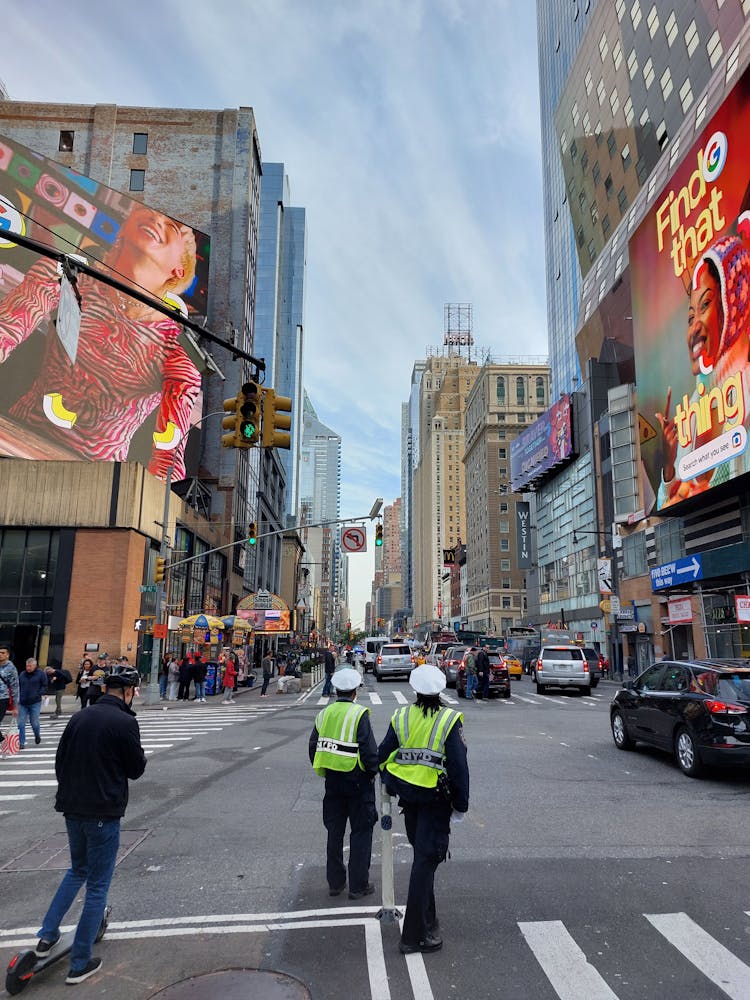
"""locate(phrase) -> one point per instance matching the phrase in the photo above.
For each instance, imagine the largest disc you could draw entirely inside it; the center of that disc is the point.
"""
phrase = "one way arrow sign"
(677, 573)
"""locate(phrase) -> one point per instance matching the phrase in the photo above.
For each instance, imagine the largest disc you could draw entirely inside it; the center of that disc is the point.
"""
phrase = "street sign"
(354, 540)
(614, 605)
(148, 588)
(160, 631)
(594, 626)
(680, 610)
(604, 571)
(677, 573)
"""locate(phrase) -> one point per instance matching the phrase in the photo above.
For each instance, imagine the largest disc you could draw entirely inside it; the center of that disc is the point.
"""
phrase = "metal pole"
(152, 692)
(388, 912)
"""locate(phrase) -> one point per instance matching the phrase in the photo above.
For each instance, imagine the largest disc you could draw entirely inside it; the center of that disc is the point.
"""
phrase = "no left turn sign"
(354, 540)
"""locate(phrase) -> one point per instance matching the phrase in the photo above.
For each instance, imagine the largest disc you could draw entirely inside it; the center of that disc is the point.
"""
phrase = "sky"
(410, 134)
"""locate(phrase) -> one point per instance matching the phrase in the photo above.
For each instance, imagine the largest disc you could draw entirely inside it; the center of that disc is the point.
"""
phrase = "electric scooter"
(26, 964)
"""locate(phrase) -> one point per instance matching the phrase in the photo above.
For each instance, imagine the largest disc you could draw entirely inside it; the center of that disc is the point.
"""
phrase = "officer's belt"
(423, 756)
(326, 745)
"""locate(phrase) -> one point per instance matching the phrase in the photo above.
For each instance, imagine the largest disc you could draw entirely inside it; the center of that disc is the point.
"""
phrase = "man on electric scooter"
(98, 752)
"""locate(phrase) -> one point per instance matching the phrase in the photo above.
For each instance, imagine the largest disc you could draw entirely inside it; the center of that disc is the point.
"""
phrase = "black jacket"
(456, 768)
(59, 679)
(99, 750)
(346, 781)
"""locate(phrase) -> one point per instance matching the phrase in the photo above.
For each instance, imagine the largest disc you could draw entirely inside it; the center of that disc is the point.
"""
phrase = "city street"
(581, 872)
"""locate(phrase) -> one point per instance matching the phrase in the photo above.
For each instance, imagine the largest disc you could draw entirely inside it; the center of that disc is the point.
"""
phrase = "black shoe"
(368, 890)
(43, 948)
(336, 892)
(429, 944)
(37, 739)
(89, 969)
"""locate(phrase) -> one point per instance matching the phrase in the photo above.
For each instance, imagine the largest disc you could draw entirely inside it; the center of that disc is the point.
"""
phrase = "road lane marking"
(400, 698)
(563, 962)
(710, 957)
(27, 784)
(420, 984)
(375, 699)
(15, 798)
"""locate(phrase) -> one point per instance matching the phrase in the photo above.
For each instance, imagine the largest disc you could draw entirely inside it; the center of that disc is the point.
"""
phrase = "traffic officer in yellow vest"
(423, 759)
(344, 752)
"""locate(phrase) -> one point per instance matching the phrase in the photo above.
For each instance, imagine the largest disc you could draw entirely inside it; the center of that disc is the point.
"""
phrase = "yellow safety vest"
(420, 756)
(337, 748)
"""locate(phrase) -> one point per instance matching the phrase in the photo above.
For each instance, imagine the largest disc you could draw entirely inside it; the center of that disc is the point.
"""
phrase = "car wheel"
(378, 676)
(620, 733)
(686, 753)
(541, 688)
(588, 690)
(595, 684)
(506, 693)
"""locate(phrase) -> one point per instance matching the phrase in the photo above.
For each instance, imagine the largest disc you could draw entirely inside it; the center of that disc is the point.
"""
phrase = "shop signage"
(680, 610)
(523, 535)
(742, 603)
(614, 604)
(263, 601)
(677, 573)
(626, 614)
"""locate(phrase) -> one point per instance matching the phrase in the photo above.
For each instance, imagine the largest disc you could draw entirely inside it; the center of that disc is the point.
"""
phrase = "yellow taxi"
(515, 670)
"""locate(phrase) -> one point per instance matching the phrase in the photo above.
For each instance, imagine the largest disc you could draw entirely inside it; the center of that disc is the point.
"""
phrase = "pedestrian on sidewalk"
(329, 661)
(83, 681)
(57, 680)
(173, 678)
(8, 686)
(230, 680)
(164, 676)
(186, 673)
(199, 677)
(423, 762)
(267, 667)
(32, 686)
(99, 751)
(342, 750)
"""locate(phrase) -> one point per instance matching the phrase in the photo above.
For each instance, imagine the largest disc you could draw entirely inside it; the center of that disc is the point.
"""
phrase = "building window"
(504, 545)
(573, 150)
(670, 29)
(691, 38)
(504, 525)
(611, 143)
(669, 540)
(603, 47)
(652, 21)
(140, 143)
(596, 173)
(502, 454)
(686, 95)
(574, 114)
(502, 470)
(662, 137)
(614, 101)
(588, 81)
(594, 213)
(625, 154)
(601, 93)
(608, 185)
(634, 554)
(592, 251)
(714, 49)
(641, 170)
(635, 14)
(617, 54)
(666, 83)
(580, 237)
(584, 162)
(632, 64)
(586, 126)
(581, 200)
(606, 226)
(503, 508)
(507, 603)
(500, 389)
(628, 109)
(137, 180)
(505, 564)
(540, 391)
(622, 200)
(648, 72)
(66, 141)
(620, 8)
(520, 391)
(506, 582)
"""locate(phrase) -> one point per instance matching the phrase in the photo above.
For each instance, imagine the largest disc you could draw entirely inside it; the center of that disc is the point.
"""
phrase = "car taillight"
(585, 666)
(413, 658)
(722, 708)
(539, 665)
(380, 659)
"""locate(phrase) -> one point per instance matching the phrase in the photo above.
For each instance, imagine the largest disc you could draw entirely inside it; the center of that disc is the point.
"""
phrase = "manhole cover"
(236, 984)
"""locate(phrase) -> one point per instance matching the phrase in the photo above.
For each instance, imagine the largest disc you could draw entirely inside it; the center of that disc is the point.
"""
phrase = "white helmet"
(427, 679)
(346, 679)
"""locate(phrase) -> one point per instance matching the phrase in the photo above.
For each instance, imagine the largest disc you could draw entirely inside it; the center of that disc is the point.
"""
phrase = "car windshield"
(395, 651)
(456, 652)
(562, 654)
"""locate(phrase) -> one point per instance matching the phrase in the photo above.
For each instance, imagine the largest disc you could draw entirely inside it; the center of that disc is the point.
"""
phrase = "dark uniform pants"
(428, 830)
(358, 807)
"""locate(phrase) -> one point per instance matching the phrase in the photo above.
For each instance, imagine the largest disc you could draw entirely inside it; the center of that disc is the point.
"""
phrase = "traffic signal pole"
(152, 691)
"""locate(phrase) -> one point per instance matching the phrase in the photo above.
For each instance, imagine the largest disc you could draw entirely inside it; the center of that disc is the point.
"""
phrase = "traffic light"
(379, 535)
(244, 418)
(277, 420)
(160, 569)
(251, 535)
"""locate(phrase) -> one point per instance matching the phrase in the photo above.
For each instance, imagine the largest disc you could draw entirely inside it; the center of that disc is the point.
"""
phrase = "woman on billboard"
(719, 350)
(127, 361)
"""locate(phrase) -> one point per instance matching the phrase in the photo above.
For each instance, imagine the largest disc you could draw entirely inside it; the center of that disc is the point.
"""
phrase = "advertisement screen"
(266, 621)
(690, 280)
(88, 372)
(547, 443)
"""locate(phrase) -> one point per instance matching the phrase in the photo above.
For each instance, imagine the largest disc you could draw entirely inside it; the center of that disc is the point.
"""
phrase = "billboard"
(87, 371)
(523, 535)
(690, 281)
(275, 620)
(538, 449)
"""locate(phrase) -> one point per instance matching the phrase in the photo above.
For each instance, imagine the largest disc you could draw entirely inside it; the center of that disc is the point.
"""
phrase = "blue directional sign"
(677, 573)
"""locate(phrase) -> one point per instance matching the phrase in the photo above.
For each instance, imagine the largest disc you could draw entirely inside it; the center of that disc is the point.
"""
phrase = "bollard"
(388, 912)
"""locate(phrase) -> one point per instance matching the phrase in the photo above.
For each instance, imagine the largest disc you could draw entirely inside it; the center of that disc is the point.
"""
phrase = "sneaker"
(37, 739)
(45, 947)
(368, 890)
(336, 892)
(429, 944)
(92, 966)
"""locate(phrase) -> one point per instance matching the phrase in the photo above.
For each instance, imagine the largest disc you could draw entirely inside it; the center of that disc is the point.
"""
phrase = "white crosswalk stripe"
(573, 977)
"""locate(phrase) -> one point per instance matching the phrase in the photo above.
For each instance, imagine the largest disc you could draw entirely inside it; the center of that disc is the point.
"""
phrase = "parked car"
(515, 668)
(595, 661)
(562, 666)
(450, 663)
(499, 676)
(697, 710)
(393, 660)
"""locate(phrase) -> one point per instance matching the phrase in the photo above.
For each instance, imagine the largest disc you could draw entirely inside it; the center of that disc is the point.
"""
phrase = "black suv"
(698, 710)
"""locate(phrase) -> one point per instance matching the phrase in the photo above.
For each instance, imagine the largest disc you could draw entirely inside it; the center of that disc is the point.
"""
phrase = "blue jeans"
(471, 683)
(32, 713)
(162, 685)
(200, 690)
(93, 853)
(328, 686)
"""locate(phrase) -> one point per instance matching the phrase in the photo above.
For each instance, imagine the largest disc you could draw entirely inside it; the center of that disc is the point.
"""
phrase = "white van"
(372, 646)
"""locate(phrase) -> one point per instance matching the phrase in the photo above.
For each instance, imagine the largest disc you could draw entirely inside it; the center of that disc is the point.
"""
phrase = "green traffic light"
(247, 430)
(252, 541)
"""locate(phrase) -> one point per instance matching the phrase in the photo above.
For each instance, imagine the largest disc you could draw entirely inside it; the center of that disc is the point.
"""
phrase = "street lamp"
(616, 666)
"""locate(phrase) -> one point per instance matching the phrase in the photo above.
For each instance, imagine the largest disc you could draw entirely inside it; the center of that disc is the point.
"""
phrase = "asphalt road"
(580, 873)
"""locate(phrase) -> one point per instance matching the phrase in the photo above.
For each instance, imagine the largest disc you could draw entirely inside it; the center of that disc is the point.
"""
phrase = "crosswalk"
(574, 975)
(25, 775)
(517, 700)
